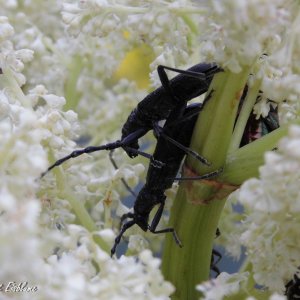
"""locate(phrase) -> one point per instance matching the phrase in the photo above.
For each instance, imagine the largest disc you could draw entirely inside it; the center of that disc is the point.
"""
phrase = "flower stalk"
(81, 213)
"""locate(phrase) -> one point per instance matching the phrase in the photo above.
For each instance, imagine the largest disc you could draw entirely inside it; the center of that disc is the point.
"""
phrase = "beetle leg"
(182, 118)
(155, 221)
(157, 216)
(165, 82)
(125, 216)
(119, 236)
(163, 75)
(159, 131)
(186, 150)
(213, 263)
(217, 254)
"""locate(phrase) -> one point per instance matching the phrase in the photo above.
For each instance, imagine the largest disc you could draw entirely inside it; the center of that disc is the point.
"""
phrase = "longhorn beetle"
(170, 153)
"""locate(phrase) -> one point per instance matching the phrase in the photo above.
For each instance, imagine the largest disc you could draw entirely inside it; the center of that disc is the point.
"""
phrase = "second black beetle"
(170, 152)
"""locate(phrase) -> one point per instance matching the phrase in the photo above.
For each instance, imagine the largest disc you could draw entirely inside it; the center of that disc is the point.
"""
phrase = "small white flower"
(25, 55)
(224, 285)
(130, 173)
(277, 297)
(54, 101)
(137, 243)
(7, 201)
(107, 234)
(6, 30)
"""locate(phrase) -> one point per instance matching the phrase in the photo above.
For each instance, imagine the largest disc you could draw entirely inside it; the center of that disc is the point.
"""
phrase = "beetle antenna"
(76, 153)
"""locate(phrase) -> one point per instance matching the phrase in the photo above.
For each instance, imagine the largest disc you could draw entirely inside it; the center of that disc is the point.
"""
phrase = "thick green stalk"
(185, 267)
(196, 223)
(198, 204)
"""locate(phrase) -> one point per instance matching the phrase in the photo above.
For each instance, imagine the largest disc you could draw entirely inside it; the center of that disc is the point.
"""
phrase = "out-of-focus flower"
(271, 225)
(225, 285)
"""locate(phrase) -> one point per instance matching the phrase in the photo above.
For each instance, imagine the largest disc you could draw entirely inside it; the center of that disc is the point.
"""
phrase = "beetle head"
(142, 221)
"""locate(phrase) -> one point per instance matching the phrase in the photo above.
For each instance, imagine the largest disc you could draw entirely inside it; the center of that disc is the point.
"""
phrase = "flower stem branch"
(79, 209)
(244, 116)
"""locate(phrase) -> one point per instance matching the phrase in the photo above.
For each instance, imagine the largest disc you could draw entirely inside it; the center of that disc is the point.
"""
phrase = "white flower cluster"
(239, 31)
(230, 285)
(136, 22)
(42, 34)
(39, 246)
(274, 296)
(73, 275)
(263, 36)
(80, 69)
(272, 205)
(130, 279)
(23, 130)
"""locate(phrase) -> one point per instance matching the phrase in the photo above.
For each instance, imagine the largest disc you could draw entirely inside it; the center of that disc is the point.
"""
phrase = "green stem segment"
(244, 115)
(71, 93)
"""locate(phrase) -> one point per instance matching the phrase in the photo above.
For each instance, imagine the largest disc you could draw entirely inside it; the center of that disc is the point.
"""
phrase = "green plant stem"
(198, 204)
(185, 267)
(71, 93)
(195, 223)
